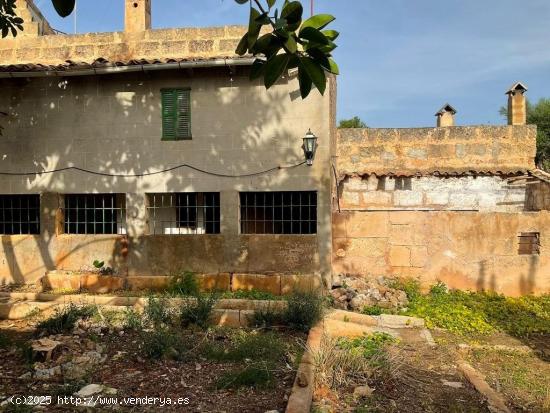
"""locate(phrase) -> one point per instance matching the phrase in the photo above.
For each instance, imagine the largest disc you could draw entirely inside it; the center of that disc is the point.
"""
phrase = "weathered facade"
(202, 170)
(454, 204)
(102, 112)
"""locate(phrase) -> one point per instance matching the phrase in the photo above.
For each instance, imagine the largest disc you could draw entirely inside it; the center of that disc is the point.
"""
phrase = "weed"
(368, 345)
(266, 317)
(482, 313)
(64, 319)
(198, 311)
(304, 310)
(257, 376)
(411, 287)
(132, 319)
(157, 311)
(343, 362)
(246, 345)
(27, 353)
(252, 295)
(184, 284)
(373, 310)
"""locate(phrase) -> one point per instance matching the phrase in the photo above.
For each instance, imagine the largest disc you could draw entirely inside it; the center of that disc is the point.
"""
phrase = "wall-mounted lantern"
(310, 147)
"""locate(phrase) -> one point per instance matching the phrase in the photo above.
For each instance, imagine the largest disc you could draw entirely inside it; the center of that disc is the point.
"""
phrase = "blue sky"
(400, 60)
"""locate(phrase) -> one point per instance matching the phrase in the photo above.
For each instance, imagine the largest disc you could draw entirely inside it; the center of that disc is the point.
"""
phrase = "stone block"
(101, 283)
(376, 198)
(400, 256)
(439, 198)
(226, 318)
(398, 321)
(367, 247)
(301, 282)
(142, 283)
(402, 234)
(368, 225)
(201, 46)
(214, 282)
(60, 281)
(351, 198)
(408, 198)
(419, 256)
(259, 282)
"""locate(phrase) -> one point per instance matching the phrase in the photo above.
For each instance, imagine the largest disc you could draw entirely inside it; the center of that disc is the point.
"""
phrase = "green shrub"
(64, 319)
(411, 287)
(132, 319)
(257, 376)
(198, 311)
(304, 310)
(159, 343)
(157, 311)
(184, 284)
(5, 341)
(266, 317)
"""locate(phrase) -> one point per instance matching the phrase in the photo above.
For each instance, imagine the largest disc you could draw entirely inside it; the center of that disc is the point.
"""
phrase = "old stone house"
(151, 150)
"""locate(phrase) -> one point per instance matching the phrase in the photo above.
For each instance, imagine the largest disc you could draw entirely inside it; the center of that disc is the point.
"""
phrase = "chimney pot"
(446, 116)
(517, 104)
(137, 16)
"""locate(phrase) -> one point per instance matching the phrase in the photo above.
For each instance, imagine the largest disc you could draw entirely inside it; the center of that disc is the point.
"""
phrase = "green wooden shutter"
(176, 114)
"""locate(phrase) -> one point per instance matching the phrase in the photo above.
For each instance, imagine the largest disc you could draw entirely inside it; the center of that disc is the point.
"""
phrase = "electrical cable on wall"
(140, 175)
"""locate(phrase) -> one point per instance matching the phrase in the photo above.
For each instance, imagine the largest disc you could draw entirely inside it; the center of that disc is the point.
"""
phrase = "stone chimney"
(446, 116)
(137, 16)
(517, 105)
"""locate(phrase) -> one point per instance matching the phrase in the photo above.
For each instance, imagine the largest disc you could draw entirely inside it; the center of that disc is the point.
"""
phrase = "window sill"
(188, 138)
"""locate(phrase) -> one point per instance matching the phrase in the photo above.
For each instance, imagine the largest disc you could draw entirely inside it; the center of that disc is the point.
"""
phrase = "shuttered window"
(176, 114)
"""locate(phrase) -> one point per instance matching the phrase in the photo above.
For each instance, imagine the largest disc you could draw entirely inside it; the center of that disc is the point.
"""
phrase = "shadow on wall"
(112, 124)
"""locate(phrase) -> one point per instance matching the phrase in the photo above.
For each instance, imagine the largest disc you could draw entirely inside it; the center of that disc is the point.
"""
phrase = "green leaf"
(257, 69)
(242, 47)
(313, 35)
(242, 1)
(271, 3)
(63, 7)
(328, 48)
(292, 13)
(318, 21)
(333, 67)
(253, 27)
(274, 68)
(331, 34)
(316, 73)
(291, 44)
(305, 82)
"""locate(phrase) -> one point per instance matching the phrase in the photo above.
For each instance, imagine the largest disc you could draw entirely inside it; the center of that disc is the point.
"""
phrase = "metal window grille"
(95, 214)
(184, 213)
(279, 212)
(19, 214)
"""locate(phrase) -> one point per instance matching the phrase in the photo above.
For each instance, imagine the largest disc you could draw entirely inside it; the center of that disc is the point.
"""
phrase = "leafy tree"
(291, 43)
(539, 114)
(354, 122)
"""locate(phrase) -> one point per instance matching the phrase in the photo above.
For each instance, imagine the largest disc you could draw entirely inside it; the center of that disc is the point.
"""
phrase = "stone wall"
(407, 152)
(467, 250)
(484, 193)
(191, 43)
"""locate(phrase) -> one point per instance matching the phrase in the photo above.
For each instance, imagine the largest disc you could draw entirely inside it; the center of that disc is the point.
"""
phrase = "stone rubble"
(352, 293)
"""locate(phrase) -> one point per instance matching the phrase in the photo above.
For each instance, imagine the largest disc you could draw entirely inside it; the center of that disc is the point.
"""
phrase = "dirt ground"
(421, 379)
(131, 375)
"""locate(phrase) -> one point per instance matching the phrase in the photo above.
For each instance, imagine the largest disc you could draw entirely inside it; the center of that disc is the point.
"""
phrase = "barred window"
(19, 214)
(278, 212)
(184, 213)
(95, 214)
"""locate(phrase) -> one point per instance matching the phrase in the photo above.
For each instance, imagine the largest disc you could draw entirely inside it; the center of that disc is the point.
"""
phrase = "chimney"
(137, 16)
(517, 105)
(446, 116)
